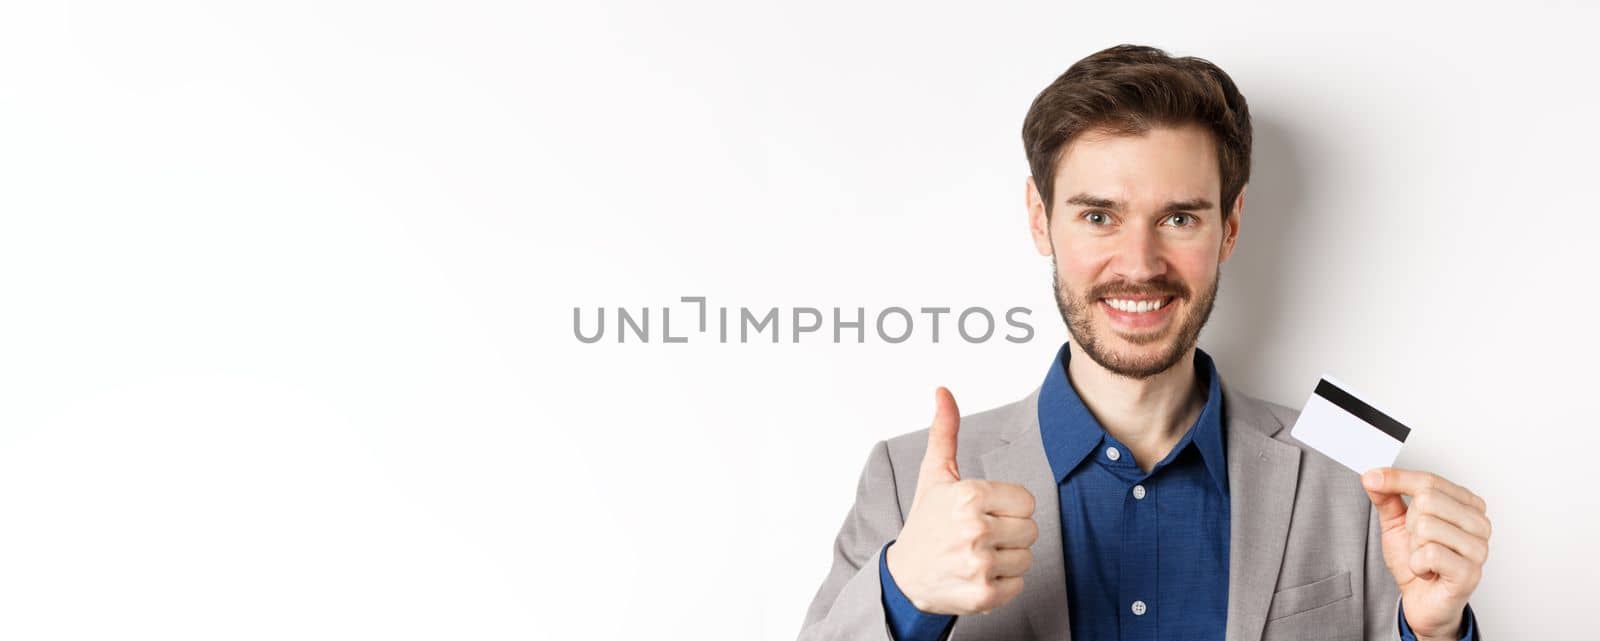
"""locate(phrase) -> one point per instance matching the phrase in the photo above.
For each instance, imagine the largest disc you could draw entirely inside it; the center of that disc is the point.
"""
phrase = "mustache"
(1161, 286)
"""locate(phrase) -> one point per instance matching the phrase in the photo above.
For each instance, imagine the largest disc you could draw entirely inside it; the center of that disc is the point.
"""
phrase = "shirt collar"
(1070, 432)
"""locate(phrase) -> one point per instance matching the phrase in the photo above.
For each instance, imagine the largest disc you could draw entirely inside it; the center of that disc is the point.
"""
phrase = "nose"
(1138, 255)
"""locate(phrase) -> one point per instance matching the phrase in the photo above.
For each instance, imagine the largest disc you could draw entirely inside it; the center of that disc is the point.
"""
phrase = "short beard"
(1078, 312)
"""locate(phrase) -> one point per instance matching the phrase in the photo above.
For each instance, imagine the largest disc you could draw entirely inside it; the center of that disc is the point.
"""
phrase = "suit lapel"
(1263, 474)
(1022, 461)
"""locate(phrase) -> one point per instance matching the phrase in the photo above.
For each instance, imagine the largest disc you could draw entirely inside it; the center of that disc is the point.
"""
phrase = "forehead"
(1160, 164)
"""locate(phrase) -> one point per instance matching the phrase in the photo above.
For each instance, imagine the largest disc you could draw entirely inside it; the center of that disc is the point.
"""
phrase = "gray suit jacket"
(1304, 555)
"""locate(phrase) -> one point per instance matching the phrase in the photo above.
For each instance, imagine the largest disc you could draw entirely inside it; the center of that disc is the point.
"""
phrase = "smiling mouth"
(1140, 305)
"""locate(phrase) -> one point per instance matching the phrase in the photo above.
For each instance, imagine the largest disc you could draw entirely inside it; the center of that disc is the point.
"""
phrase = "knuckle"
(967, 568)
(968, 534)
(977, 529)
(967, 492)
(1028, 503)
(986, 596)
(1425, 527)
(977, 566)
(985, 563)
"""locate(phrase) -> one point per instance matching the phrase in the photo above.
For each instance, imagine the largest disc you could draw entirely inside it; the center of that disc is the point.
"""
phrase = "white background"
(286, 291)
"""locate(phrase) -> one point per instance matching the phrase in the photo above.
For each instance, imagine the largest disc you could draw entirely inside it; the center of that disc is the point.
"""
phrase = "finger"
(1391, 508)
(1000, 591)
(1426, 528)
(939, 462)
(1446, 507)
(1007, 532)
(1394, 480)
(1436, 559)
(1008, 499)
(1013, 562)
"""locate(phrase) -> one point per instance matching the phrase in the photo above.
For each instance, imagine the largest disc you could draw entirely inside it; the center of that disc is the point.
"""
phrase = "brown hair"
(1126, 90)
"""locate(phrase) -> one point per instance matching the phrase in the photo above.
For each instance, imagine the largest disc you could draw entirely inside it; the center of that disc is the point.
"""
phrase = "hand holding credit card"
(1437, 569)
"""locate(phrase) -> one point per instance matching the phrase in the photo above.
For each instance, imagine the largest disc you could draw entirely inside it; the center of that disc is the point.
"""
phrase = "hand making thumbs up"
(965, 544)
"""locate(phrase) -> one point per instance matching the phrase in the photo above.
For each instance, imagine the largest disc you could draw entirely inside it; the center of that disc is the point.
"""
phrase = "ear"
(1230, 233)
(1038, 222)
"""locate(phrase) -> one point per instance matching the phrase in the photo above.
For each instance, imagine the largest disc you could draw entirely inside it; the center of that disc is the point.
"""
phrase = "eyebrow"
(1191, 204)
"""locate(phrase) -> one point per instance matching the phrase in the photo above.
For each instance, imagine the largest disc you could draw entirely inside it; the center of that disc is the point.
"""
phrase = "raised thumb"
(939, 462)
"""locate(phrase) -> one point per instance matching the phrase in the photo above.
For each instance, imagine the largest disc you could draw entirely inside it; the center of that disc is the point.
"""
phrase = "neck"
(1148, 415)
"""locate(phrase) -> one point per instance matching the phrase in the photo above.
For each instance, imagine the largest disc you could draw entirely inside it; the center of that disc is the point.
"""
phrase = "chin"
(1138, 360)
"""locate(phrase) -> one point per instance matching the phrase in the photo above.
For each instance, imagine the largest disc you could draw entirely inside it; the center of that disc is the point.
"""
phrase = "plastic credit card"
(1348, 429)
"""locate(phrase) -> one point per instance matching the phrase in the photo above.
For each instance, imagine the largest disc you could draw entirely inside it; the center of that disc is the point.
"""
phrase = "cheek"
(1076, 253)
(1196, 269)
(1193, 261)
(1076, 267)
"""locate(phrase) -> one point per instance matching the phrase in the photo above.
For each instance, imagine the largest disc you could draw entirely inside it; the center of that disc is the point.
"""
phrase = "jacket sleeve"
(849, 605)
(1383, 596)
(1469, 628)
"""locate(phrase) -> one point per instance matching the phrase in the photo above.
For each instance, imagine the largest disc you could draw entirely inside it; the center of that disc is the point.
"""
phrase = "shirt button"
(1139, 608)
(1113, 454)
(1138, 492)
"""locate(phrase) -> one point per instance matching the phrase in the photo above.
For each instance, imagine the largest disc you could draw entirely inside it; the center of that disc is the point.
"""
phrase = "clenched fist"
(965, 544)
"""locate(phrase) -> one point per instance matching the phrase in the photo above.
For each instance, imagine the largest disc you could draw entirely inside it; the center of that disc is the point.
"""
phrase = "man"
(1134, 494)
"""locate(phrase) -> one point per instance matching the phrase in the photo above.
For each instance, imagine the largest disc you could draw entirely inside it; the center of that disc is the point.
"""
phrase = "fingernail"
(1372, 479)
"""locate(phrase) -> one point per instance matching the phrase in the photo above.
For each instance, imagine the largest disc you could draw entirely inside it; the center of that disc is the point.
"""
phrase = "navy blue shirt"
(1146, 554)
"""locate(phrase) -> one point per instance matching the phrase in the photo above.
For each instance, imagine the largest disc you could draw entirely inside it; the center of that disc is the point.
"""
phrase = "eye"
(1188, 220)
(1092, 214)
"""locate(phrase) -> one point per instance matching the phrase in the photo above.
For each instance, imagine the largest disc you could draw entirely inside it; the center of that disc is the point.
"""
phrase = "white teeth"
(1136, 307)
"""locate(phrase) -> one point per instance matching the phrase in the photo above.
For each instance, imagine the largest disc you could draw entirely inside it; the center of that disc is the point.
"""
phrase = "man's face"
(1136, 240)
